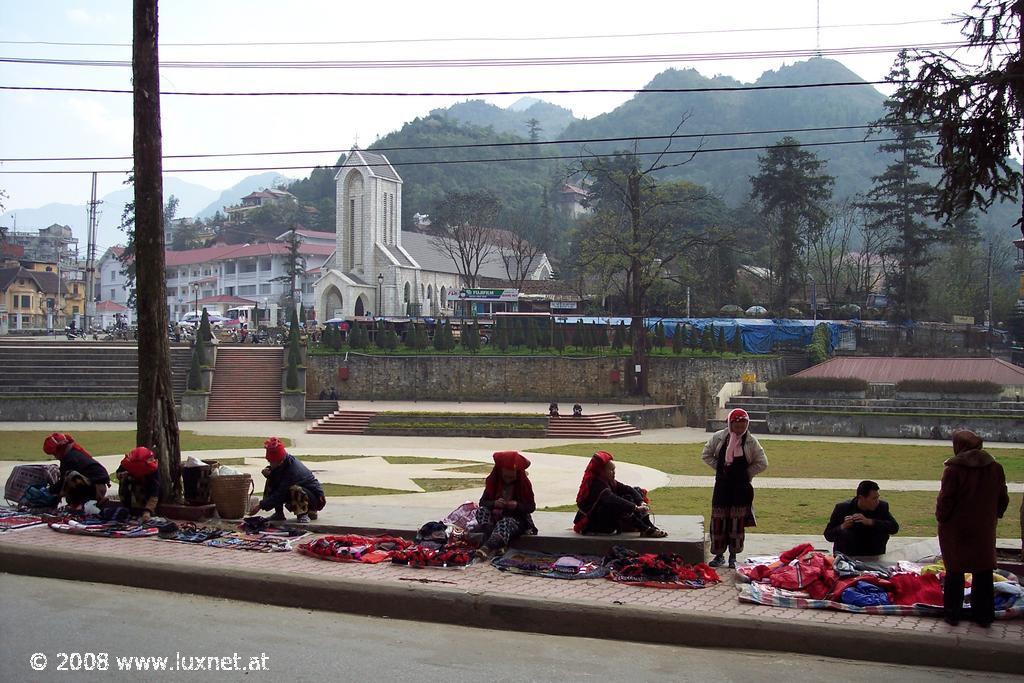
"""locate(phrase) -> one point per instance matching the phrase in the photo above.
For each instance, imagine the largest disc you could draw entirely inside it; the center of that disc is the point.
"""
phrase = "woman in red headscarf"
(607, 506)
(972, 498)
(506, 505)
(290, 485)
(139, 482)
(736, 457)
(81, 477)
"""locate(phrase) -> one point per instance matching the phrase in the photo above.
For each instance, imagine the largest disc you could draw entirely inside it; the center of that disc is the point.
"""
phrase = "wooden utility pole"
(156, 421)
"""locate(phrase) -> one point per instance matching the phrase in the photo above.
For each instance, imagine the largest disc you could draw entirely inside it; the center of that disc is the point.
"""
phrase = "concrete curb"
(419, 602)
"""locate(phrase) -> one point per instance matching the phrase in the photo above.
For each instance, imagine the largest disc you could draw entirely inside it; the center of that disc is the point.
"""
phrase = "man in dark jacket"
(861, 526)
(81, 477)
(290, 485)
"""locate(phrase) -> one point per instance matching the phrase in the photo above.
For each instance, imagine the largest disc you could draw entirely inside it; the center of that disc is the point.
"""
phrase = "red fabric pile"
(452, 555)
(352, 548)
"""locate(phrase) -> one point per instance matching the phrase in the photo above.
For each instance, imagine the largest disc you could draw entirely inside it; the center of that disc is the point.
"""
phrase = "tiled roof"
(891, 370)
(110, 307)
(422, 248)
(377, 164)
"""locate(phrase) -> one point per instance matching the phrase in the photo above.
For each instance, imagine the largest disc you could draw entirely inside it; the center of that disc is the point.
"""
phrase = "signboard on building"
(564, 305)
(963, 319)
(477, 294)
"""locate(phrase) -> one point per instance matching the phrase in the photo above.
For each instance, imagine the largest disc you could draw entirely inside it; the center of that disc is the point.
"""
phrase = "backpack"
(39, 496)
(24, 476)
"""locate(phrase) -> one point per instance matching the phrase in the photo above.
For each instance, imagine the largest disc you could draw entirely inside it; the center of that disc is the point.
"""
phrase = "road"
(52, 617)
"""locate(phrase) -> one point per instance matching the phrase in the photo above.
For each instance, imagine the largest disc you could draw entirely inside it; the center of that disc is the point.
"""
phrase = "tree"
(530, 335)
(439, 336)
(471, 337)
(156, 420)
(501, 334)
(534, 127)
(659, 336)
(677, 339)
(720, 344)
(635, 236)
(294, 267)
(979, 108)
(294, 354)
(195, 371)
(737, 341)
(619, 338)
(463, 228)
(829, 252)
(707, 339)
(792, 191)
(558, 338)
(900, 204)
(519, 252)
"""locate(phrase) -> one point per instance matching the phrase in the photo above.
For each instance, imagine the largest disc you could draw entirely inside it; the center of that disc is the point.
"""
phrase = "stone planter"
(934, 396)
(193, 405)
(293, 405)
(825, 395)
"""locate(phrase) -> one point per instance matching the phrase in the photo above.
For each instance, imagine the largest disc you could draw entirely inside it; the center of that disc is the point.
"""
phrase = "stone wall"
(893, 426)
(68, 408)
(692, 382)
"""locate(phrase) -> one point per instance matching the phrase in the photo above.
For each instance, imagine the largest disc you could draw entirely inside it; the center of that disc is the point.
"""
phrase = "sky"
(47, 124)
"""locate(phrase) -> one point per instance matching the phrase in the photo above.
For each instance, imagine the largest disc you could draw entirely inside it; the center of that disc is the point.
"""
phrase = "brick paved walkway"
(476, 580)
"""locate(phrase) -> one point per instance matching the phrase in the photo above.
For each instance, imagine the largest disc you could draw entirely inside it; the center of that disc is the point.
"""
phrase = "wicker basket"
(230, 493)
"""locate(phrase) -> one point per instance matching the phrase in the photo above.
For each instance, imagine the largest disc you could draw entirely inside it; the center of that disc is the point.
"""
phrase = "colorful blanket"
(259, 543)
(354, 548)
(551, 566)
(762, 594)
(12, 519)
(104, 529)
(666, 570)
(451, 556)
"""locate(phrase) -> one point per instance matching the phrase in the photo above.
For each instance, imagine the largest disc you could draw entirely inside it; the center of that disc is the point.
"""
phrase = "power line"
(440, 162)
(498, 61)
(475, 145)
(463, 93)
(480, 39)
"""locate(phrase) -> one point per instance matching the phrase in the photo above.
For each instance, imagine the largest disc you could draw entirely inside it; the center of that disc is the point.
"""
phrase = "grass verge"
(346, 490)
(805, 459)
(27, 446)
(434, 485)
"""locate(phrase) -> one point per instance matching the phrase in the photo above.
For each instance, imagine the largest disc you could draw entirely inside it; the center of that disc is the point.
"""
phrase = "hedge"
(935, 386)
(817, 385)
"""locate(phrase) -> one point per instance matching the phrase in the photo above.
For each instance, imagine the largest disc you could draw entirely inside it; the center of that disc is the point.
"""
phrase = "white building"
(377, 268)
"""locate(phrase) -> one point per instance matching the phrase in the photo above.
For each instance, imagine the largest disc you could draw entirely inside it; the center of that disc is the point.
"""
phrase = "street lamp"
(380, 288)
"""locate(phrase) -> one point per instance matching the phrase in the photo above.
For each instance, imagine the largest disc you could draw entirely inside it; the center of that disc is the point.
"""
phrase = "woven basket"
(230, 493)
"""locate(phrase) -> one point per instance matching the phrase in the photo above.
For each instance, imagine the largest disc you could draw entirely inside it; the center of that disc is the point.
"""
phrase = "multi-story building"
(255, 200)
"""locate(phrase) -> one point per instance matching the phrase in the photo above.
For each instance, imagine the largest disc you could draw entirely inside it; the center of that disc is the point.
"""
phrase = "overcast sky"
(65, 124)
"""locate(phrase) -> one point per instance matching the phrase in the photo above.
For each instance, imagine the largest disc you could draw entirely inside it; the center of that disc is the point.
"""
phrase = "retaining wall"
(893, 426)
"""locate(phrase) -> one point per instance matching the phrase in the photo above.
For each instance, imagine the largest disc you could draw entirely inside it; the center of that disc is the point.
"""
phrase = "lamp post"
(380, 289)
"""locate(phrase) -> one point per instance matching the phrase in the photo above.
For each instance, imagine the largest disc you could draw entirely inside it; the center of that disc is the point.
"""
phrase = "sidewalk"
(482, 596)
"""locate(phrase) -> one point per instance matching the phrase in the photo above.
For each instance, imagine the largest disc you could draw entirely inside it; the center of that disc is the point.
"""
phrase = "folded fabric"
(550, 566)
(811, 571)
(916, 589)
(353, 548)
(452, 556)
(666, 570)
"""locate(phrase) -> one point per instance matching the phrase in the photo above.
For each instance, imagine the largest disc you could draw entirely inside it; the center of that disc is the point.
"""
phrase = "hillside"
(551, 119)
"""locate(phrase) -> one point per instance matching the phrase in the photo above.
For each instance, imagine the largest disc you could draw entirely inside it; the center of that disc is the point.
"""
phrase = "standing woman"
(972, 498)
(736, 457)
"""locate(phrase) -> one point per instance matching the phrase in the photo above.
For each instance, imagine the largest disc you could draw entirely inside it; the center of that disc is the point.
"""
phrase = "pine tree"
(577, 337)
(195, 372)
(737, 341)
(501, 335)
(294, 353)
(619, 338)
(558, 340)
(530, 335)
(336, 338)
(677, 339)
(449, 338)
(471, 337)
(720, 344)
(707, 339)
(439, 336)
(659, 336)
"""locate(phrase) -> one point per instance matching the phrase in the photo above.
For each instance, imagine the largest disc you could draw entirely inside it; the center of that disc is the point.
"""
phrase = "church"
(377, 268)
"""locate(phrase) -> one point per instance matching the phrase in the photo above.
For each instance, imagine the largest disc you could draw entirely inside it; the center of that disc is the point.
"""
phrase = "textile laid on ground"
(353, 548)
(666, 570)
(191, 533)
(260, 542)
(95, 527)
(808, 579)
(551, 566)
(13, 519)
(455, 555)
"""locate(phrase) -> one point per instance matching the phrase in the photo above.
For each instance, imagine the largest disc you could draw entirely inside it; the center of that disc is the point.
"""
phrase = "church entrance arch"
(334, 304)
(360, 307)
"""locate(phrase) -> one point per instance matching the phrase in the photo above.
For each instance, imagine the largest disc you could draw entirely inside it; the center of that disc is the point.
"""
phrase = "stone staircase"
(80, 367)
(598, 426)
(316, 408)
(342, 422)
(756, 407)
(246, 384)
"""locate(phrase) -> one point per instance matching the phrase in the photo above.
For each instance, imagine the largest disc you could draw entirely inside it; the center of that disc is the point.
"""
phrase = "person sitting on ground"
(553, 409)
(81, 477)
(972, 498)
(506, 505)
(290, 485)
(861, 527)
(323, 395)
(577, 410)
(138, 478)
(607, 506)
(334, 394)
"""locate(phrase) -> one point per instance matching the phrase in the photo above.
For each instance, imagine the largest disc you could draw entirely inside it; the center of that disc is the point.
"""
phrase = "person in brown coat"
(972, 498)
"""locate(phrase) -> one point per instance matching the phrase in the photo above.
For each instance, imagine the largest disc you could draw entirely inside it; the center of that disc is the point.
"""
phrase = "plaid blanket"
(762, 594)
(12, 519)
(543, 564)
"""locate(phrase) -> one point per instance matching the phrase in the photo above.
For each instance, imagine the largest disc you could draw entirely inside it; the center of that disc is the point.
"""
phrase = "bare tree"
(156, 421)
(463, 231)
(867, 266)
(519, 254)
(829, 251)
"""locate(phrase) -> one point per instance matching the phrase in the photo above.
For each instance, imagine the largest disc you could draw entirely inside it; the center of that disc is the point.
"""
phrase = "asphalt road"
(81, 626)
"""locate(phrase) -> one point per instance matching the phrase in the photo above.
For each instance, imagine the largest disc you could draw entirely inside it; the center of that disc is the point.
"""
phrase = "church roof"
(377, 164)
(422, 248)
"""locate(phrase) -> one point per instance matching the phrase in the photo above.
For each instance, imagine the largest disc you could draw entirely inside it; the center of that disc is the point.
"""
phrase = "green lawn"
(28, 445)
(432, 485)
(806, 511)
(805, 459)
(415, 460)
(346, 490)
(482, 468)
(325, 458)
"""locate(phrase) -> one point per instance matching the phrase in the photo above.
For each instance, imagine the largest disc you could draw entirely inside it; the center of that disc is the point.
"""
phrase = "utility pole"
(639, 351)
(156, 420)
(687, 302)
(988, 300)
(90, 259)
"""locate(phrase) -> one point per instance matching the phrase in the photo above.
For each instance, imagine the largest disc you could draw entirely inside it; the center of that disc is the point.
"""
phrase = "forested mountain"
(550, 119)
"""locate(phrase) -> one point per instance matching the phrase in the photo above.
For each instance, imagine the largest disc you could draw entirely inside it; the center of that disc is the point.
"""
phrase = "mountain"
(551, 119)
(233, 194)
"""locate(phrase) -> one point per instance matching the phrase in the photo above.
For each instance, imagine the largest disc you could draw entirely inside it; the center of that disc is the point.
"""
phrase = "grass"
(433, 485)
(482, 468)
(427, 413)
(806, 459)
(346, 490)
(325, 458)
(806, 511)
(28, 445)
(876, 413)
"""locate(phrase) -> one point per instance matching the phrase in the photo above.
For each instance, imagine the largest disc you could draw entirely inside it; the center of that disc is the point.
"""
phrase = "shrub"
(935, 386)
(195, 373)
(737, 341)
(471, 337)
(816, 385)
(707, 340)
(501, 335)
(619, 339)
(659, 336)
(558, 340)
(530, 335)
(818, 349)
(677, 339)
